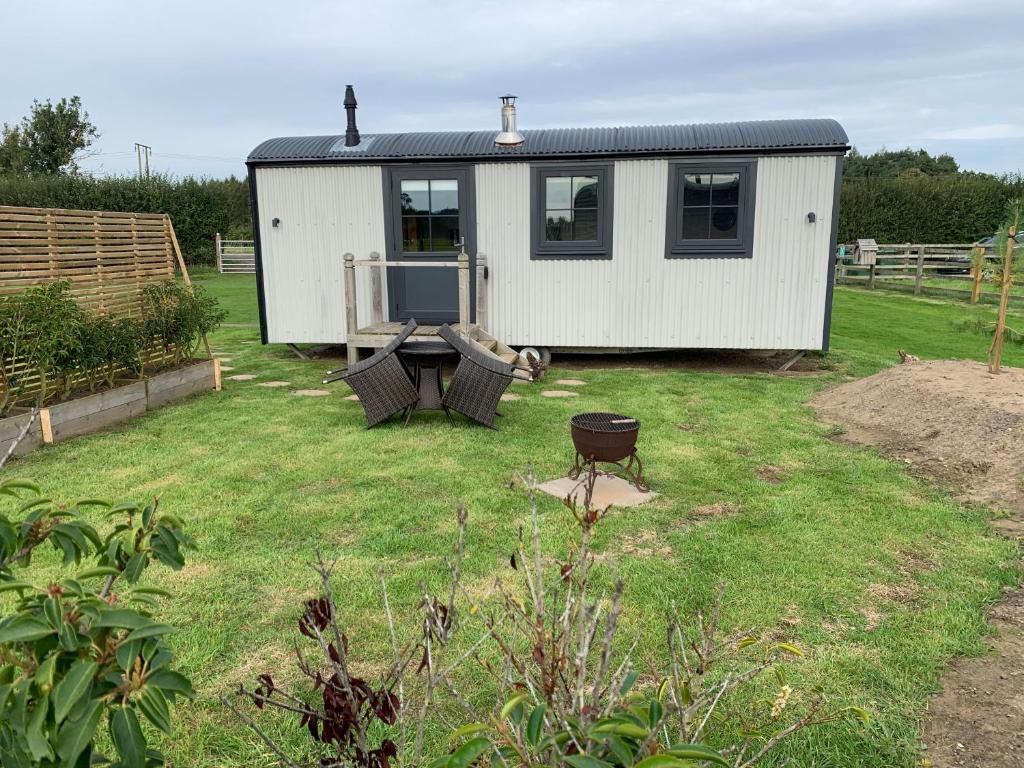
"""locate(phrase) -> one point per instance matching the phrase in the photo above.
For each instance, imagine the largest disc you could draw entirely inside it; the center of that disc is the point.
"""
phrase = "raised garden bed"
(93, 412)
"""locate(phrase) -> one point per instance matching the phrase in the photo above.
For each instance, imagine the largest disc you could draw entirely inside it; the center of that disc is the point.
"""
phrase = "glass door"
(429, 216)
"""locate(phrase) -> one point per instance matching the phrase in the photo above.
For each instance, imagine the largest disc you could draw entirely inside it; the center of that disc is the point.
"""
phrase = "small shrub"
(112, 345)
(17, 353)
(179, 316)
(74, 652)
(41, 336)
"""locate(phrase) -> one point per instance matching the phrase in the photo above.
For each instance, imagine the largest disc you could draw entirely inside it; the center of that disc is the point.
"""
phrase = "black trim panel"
(260, 292)
(833, 242)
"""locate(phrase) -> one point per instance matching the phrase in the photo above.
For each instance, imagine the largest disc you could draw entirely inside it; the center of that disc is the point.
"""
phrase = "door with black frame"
(429, 214)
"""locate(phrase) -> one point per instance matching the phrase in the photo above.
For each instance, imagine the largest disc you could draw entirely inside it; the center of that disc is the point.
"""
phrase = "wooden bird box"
(865, 252)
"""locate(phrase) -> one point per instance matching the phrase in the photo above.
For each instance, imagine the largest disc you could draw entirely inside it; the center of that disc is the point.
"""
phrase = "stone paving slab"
(509, 397)
(559, 393)
(273, 384)
(353, 398)
(226, 368)
(311, 392)
(608, 491)
(242, 377)
(570, 382)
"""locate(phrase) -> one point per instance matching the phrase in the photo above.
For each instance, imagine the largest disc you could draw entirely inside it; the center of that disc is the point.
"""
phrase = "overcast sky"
(204, 82)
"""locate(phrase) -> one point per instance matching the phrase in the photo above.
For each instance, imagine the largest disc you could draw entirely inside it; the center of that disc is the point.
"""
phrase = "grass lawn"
(262, 477)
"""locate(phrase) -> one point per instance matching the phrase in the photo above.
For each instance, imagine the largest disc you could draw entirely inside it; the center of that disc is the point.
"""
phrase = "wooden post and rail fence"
(913, 267)
(377, 266)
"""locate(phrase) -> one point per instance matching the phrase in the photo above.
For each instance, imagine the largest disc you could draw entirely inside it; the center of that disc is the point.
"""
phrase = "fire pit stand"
(607, 438)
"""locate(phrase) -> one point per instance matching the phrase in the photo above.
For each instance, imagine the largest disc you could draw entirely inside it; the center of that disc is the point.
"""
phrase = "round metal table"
(427, 359)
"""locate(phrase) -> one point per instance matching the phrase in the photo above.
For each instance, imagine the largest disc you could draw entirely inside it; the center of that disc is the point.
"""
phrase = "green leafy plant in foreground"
(86, 648)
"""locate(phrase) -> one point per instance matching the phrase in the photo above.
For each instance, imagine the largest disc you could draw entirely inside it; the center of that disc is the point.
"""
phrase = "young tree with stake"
(1006, 240)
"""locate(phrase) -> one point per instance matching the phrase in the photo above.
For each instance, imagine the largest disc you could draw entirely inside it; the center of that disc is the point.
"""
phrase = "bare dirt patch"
(771, 474)
(954, 422)
(950, 419)
(717, 509)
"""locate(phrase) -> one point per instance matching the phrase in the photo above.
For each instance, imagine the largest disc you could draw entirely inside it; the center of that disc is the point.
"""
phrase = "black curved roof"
(754, 136)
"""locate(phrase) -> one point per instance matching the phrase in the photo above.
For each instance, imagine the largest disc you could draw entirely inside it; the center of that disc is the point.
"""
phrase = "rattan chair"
(479, 380)
(382, 381)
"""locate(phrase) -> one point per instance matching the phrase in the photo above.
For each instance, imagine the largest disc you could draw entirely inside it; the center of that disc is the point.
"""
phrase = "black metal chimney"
(351, 132)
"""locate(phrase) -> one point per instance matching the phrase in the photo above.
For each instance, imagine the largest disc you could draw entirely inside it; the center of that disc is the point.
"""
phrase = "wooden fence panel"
(109, 258)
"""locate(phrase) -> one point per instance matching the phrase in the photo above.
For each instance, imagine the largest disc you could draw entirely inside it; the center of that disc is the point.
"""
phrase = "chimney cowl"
(509, 136)
(351, 132)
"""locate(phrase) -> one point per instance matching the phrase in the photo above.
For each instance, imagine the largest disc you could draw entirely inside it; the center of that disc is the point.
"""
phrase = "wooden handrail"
(383, 263)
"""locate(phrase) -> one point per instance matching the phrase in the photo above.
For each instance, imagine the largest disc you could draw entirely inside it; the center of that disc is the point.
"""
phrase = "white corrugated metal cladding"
(323, 212)
(775, 300)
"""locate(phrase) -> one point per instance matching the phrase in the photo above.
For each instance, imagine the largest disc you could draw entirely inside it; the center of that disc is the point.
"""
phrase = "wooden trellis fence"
(108, 257)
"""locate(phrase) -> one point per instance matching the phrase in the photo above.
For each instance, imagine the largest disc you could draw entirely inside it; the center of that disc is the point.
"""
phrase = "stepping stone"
(570, 382)
(517, 380)
(311, 392)
(509, 397)
(224, 359)
(273, 384)
(242, 377)
(559, 393)
(353, 398)
(247, 342)
(608, 490)
(226, 368)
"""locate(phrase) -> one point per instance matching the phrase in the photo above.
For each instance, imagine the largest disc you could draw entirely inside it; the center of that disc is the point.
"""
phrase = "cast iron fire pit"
(607, 438)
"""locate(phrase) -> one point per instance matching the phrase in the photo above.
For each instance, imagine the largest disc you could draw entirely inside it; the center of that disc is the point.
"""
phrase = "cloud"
(987, 132)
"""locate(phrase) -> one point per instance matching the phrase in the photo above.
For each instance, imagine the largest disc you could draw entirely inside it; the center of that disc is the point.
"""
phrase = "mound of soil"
(956, 423)
(951, 420)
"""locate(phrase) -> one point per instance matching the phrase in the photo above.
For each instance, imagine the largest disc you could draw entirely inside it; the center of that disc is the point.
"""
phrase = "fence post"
(377, 292)
(350, 308)
(481, 290)
(216, 250)
(464, 291)
(919, 274)
(871, 276)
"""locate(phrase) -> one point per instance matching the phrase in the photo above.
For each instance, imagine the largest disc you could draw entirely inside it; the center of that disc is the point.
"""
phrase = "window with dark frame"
(711, 209)
(572, 211)
(430, 214)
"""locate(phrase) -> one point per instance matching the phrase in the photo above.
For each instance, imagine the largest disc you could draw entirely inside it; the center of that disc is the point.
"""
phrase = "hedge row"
(198, 207)
(954, 208)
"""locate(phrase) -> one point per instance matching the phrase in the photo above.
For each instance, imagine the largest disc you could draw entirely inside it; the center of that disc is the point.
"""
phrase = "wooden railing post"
(481, 290)
(376, 291)
(464, 291)
(351, 324)
(919, 273)
(216, 250)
